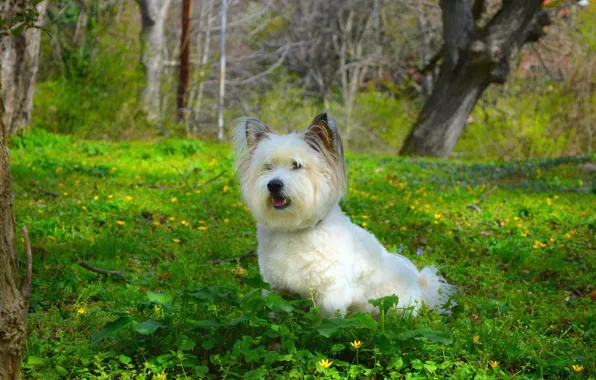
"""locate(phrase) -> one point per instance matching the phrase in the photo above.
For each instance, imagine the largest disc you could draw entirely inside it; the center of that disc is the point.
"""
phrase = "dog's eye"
(296, 165)
(268, 167)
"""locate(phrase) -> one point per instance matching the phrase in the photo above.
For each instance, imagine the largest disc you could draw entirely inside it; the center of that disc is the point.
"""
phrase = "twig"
(26, 287)
(185, 180)
(212, 179)
(55, 195)
(101, 271)
(233, 259)
(474, 206)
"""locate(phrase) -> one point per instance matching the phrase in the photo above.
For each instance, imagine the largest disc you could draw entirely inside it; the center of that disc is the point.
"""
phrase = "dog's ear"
(255, 130)
(323, 133)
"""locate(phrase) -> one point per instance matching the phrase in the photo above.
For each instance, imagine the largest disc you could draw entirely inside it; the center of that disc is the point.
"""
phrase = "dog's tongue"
(279, 201)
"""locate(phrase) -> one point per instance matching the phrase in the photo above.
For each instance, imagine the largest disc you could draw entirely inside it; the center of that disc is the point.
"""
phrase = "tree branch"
(101, 271)
(458, 29)
(233, 259)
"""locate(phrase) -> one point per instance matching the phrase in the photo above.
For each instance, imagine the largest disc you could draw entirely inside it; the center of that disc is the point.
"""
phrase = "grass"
(162, 211)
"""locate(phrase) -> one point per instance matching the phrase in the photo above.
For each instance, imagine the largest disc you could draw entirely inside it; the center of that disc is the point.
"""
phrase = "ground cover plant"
(517, 239)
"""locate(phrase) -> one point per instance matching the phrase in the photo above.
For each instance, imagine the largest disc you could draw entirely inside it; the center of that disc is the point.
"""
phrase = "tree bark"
(19, 63)
(13, 303)
(154, 14)
(473, 58)
(182, 114)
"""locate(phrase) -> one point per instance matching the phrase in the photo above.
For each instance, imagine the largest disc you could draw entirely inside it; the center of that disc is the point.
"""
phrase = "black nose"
(275, 185)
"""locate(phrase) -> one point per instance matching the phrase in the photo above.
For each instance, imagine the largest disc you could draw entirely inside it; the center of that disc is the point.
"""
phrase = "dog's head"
(292, 181)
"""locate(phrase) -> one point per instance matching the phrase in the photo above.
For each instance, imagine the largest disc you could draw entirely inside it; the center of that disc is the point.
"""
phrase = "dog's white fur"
(311, 247)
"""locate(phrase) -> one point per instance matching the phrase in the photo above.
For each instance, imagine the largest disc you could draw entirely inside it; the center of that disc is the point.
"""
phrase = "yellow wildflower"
(172, 218)
(174, 200)
(356, 344)
(65, 194)
(226, 188)
(96, 197)
(325, 363)
(177, 241)
(226, 220)
(556, 197)
(84, 208)
(162, 376)
(524, 234)
(81, 311)
(129, 198)
(184, 223)
(114, 169)
(494, 364)
(156, 308)
(364, 216)
(201, 222)
(202, 228)
(538, 244)
(437, 216)
(404, 228)
(120, 223)
(110, 196)
(580, 182)
(577, 368)
(364, 224)
(476, 339)
(156, 223)
(549, 201)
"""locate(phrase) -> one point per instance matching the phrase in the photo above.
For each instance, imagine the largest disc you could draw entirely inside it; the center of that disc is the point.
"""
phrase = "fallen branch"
(90, 267)
(233, 259)
(26, 287)
(41, 190)
(475, 206)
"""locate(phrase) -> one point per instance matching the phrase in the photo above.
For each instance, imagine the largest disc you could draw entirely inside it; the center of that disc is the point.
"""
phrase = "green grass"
(161, 211)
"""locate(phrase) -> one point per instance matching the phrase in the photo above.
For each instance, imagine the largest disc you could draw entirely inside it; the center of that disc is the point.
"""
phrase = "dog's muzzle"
(278, 200)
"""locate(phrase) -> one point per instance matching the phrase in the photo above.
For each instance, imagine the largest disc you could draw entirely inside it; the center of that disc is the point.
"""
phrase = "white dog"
(293, 184)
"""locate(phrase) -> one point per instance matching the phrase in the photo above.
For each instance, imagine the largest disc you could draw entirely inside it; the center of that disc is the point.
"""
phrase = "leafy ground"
(523, 259)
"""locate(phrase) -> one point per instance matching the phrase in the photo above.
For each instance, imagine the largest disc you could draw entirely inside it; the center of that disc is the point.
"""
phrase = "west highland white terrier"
(293, 184)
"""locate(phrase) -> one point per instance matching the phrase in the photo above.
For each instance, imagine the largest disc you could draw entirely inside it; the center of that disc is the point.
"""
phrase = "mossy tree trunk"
(473, 57)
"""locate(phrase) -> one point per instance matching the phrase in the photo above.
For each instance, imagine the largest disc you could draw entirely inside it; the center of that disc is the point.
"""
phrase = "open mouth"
(279, 203)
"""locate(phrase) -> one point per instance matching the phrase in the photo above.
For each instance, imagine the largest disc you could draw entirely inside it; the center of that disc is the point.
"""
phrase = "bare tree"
(154, 14)
(20, 58)
(473, 58)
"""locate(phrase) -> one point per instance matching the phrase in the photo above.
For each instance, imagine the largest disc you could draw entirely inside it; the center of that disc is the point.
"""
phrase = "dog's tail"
(436, 292)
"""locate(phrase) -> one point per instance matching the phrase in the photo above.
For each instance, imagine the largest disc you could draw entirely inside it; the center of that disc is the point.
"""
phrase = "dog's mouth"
(279, 202)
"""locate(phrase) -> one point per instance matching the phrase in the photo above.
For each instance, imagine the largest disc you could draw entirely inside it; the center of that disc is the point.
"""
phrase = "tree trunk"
(14, 304)
(182, 114)
(19, 60)
(154, 14)
(473, 58)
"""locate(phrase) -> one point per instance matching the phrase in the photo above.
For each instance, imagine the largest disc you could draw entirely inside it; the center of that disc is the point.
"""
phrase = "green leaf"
(276, 303)
(385, 303)
(149, 327)
(256, 281)
(437, 336)
(111, 329)
(338, 347)
(61, 370)
(35, 360)
(124, 359)
(164, 299)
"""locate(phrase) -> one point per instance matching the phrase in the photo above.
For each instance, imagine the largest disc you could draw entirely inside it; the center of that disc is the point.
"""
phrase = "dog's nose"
(275, 185)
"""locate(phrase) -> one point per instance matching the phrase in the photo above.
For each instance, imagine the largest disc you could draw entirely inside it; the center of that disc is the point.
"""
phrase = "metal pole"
(222, 73)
